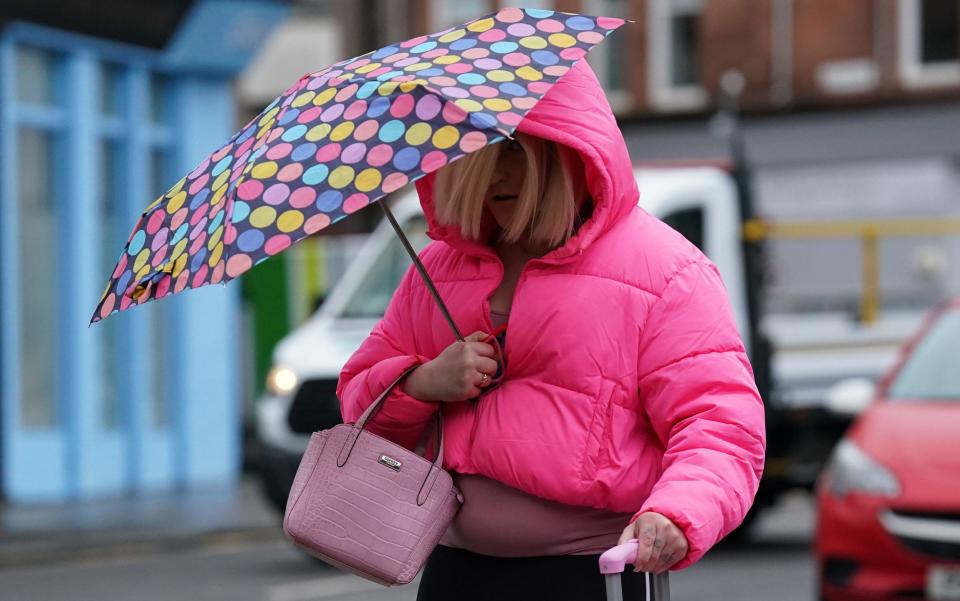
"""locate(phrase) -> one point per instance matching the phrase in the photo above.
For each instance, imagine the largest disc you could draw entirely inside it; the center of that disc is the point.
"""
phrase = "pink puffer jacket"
(627, 386)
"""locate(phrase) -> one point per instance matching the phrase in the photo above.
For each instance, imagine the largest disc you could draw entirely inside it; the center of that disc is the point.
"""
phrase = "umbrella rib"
(421, 269)
(446, 98)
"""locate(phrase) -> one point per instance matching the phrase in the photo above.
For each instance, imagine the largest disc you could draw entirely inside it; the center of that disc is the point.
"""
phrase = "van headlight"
(851, 470)
(281, 380)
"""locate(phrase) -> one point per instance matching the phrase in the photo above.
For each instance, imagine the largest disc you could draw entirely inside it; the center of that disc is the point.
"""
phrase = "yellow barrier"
(757, 229)
(869, 232)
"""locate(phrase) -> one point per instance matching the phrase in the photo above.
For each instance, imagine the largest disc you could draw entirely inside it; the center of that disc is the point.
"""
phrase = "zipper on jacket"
(513, 300)
(487, 317)
(488, 322)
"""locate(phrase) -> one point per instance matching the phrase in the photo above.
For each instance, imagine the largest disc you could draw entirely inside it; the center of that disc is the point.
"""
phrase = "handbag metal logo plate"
(390, 462)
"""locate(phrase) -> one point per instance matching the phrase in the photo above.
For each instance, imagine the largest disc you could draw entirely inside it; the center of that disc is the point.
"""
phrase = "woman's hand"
(661, 543)
(456, 374)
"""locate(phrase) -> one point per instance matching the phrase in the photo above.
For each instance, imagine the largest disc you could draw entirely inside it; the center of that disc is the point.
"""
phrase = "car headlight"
(281, 380)
(852, 470)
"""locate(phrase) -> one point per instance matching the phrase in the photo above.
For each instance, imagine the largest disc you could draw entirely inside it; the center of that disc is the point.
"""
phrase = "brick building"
(792, 53)
(850, 109)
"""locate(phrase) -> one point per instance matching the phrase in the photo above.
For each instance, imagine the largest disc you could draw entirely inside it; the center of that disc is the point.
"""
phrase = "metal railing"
(868, 231)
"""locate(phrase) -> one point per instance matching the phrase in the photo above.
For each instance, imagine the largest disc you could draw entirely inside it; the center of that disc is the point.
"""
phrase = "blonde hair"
(547, 204)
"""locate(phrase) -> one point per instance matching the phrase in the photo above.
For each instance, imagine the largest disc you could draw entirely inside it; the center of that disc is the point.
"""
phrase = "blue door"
(147, 399)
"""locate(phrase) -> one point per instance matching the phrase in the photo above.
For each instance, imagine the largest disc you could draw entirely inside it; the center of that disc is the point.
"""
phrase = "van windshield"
(932, 371)
(372, 296)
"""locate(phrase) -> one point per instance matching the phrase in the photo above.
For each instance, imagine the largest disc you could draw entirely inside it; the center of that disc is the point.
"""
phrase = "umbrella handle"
(421, 269)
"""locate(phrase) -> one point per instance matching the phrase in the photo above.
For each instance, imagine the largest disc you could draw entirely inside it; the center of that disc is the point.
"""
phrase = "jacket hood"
(575, 113)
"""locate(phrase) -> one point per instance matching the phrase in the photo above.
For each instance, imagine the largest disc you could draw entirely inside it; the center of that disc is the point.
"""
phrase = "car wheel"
(275, 488)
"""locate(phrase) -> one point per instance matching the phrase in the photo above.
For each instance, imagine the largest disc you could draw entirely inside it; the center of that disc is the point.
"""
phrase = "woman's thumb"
(476, 336)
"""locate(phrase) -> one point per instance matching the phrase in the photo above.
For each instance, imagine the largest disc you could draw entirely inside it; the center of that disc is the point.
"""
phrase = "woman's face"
(501, 197)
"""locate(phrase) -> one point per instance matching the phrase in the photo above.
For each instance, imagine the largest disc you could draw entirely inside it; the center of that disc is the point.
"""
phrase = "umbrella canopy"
(342, 138)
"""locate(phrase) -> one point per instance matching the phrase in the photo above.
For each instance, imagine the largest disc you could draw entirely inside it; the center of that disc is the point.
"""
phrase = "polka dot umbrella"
(342, 138)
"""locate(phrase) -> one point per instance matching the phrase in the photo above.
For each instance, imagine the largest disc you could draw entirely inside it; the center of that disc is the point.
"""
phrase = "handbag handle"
(369, 414)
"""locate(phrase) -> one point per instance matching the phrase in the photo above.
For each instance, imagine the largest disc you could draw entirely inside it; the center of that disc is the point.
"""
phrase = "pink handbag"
(368, 505)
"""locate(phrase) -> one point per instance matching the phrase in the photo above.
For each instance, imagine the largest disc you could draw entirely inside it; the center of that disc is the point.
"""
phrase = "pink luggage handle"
(612, 563)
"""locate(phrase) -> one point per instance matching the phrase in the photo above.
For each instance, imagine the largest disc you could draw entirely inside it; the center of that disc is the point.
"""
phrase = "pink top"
(500, 520)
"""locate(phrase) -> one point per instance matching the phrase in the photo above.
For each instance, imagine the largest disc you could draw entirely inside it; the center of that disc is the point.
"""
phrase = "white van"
(300, 398)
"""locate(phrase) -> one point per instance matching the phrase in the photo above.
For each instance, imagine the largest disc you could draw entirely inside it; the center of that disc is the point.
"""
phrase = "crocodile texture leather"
(352, 506)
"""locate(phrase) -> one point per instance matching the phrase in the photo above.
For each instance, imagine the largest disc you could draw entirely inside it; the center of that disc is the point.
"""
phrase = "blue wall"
(149, 398)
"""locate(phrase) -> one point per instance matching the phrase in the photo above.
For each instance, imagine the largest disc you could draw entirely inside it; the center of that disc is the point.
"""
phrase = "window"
(684, 48)
(111, 90)
(372, 296)
(929, 43)
(35, 76)
(39, 294)
(448, 13)
(939, 26)
(160, 106)
(610, 58)
(160, 173)
(38, 251)
(931, 371)
(160, 337)
(111, 240)
(688, 222)
(674, 54)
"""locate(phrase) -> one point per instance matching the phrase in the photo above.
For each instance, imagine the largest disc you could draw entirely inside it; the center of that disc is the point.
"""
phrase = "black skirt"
(457, 575)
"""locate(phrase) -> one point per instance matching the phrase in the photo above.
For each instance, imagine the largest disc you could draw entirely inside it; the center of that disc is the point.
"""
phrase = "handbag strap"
(371, 412)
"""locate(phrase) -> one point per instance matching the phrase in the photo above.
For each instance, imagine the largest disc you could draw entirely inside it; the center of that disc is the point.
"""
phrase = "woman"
(626, 406)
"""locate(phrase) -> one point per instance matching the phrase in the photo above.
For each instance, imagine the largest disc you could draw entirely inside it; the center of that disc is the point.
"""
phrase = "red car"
(889, 499)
